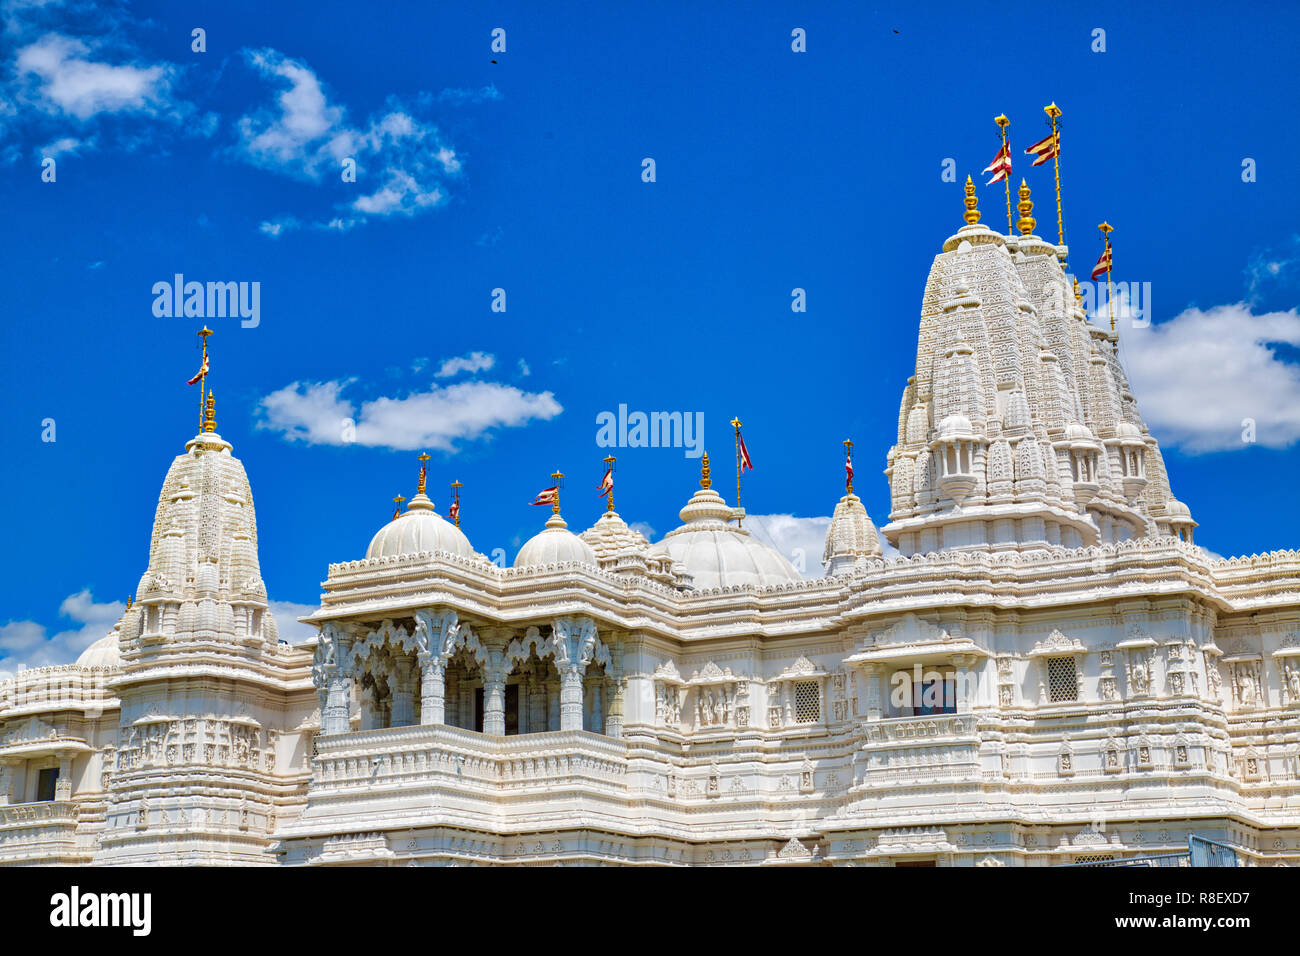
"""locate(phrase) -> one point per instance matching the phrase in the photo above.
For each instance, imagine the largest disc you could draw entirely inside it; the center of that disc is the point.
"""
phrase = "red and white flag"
(1103, 265)
(1001, 165)
(548, 496)
(454, 511)
(607, 484)
(848, 469)
(745, 463)
(1045, 149)
(203, 370)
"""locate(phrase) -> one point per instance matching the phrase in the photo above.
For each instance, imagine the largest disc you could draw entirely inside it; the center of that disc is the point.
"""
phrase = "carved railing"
(30, 831)
(912, 730)
(464, 759)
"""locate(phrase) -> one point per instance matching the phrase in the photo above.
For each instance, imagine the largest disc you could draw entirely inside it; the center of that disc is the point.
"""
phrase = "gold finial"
(609, 498)
(210, 414)
(1026, 222)
(557, 475)
(705, 481)
(1106, 228)
(1078, 295)
(397, 513)
(128, 602)
(848, 465)
(419, 487)
(972, 214)
(455, 501)
(1052, 110)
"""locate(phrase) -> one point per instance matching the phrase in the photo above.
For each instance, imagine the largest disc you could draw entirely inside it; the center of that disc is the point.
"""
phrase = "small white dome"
(105, 652)
(554, 545)
(1127, 431)
(1176, 509)
(718, 554)
(1078, 432)
(955, 426)
(419, 529)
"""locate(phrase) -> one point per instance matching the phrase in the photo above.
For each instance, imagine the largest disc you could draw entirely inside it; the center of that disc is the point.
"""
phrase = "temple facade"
(1045, 669)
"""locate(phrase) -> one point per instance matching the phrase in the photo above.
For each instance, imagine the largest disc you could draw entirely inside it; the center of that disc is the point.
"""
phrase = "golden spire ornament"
(705, 481)
(972, 214)
(210, 414)
(1025, 207)
(848, 466)
(424, 473)
(397, 512)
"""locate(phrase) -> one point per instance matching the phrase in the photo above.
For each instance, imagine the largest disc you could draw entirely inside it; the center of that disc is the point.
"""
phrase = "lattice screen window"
(807, 702)
(1062, 679)
(1095, 858)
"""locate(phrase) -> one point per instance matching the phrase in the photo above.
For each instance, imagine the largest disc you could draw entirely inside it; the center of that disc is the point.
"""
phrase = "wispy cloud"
(279, 226)
(473, 362)
(1200, 376)
(402, 163)
(286, 615)
(319, 413)
(30, 644)
(1272, 267)
(63, 75)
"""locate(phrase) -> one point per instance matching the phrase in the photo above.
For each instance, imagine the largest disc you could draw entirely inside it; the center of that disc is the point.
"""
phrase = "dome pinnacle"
(972, 214)
(705, 481)
(1026, 222)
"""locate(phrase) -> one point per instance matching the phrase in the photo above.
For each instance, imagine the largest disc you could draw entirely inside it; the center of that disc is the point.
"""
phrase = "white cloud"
(64, 78)
(29, 643)
(402, 162)
(524, 370)
(286, 615)
(1199, 376)
(318, 413)
(65, 144)
(801, 540)
(473, 362)
(279, 226)
(1272, 267)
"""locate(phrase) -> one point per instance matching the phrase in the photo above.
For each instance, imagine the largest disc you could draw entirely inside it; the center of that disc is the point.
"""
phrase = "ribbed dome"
(105, 652)
(554, 545)
(718, 554)
(419, 529)
(851, 536)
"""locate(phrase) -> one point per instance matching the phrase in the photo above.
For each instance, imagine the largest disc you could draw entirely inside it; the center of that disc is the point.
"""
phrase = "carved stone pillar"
(63, 786)
(536, 705)
(871, 684)
(552, 705)
(6, 782)
(403, 691)
(965, 685)
(494, 702)
(338, 703)
(370, 714)
(570, 696)
(433, 690)
(614, 722)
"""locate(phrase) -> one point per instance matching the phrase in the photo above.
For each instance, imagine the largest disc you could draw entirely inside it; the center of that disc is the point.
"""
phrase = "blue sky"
(774, 170)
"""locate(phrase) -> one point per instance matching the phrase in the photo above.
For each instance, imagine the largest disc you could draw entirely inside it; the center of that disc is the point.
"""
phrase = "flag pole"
(1003, 123)
(203, 368)
(735, 423)
(424, 474)
(848, 456)
(1053, 113)
(455, 490)
(609, 500)
(555, 508)
(1106, 229)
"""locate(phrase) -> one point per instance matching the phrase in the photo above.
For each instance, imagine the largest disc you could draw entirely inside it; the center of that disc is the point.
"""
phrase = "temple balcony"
(436, 774)
(42, 832)
(936, 748)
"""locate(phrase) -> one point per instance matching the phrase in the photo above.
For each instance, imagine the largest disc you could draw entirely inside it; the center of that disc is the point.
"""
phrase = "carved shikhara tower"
(1050, 672)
